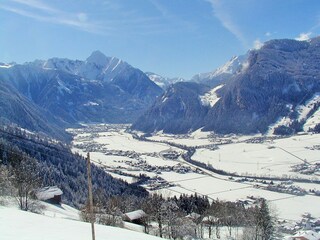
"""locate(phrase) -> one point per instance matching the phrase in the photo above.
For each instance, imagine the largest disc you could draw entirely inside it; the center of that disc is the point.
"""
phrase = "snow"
(135, 214)
(234, 65)
(62, 87)
(196, 138)
(272, 157)
(119, 61)
(163, 82)
(91, 104)
(262, 159)
(125, 142)
(312, 121)
(98, 58)
(211, 97)
(16, 224)
(4, 65)
(285, 121)
(124, 178)
(310, 235)
(230, 67)
(303, 110)
(48, 193)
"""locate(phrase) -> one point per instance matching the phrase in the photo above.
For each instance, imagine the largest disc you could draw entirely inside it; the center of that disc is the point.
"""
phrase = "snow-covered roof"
(193, 216)
(135, 215)
(48, 193)
(310, 235)
(210, 219)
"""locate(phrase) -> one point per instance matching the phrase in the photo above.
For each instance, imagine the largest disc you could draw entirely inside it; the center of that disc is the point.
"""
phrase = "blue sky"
(168, 37)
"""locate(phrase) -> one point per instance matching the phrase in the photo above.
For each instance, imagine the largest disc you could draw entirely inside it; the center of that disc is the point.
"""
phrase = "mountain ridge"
(98, 89)
(270, 84)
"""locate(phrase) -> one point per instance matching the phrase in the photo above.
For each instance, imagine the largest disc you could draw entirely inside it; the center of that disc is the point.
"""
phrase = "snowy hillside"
(211, 97)
(309, 113)
(55, 225)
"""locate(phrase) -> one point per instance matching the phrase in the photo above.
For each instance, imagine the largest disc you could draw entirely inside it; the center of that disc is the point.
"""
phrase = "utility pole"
(90, 196)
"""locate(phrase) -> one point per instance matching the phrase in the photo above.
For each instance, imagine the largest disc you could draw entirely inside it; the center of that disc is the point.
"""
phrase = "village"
(172, 164)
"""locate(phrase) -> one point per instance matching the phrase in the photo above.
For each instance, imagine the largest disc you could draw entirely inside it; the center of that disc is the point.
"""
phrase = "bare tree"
(6, 188)
(25, 179)
(169, 212)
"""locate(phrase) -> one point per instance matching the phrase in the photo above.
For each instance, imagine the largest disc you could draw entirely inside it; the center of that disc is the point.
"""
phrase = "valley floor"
(285, 171)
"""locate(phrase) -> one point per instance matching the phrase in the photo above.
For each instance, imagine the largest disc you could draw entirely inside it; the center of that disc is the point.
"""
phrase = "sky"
(173, 38)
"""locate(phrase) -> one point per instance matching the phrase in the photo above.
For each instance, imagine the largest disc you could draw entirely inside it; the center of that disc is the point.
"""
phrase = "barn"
(50, 194)
(135, 216)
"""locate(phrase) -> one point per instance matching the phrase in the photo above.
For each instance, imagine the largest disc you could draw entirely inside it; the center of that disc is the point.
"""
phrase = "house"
(306, 235)
(194, 216)
(134, 217)
(50, 194)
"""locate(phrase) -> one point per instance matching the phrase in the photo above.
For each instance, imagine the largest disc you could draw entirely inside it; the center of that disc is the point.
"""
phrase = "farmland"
(285, 171)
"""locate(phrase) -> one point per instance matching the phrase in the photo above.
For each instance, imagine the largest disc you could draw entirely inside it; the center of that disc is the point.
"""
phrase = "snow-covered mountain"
(235, 65)
(96, 67)
(163, 82)
(248, 94)
(99, 89)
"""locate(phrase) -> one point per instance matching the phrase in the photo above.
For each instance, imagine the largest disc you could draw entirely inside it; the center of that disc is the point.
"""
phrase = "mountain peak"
(98, 58)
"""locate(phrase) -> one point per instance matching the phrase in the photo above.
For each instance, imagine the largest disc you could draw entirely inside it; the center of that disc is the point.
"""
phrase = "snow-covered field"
(243, 155)
(263, 159)
(57, 224)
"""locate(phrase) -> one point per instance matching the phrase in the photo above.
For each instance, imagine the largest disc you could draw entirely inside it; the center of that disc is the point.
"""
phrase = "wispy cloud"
(123, 20)
(36, 4)
(226, 20)
(304, 36)
(42, 12)
(173, 19)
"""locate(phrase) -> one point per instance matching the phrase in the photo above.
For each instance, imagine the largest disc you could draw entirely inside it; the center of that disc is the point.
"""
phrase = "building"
(50, 194)
(134, 217)
(306, 235)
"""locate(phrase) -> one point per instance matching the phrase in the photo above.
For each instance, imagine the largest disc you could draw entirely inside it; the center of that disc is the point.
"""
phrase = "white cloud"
(226, 20)
(304, 36)
(267, 34)
(257, 44)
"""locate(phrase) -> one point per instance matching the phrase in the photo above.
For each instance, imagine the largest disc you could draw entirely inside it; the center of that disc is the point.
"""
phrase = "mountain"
(178, 109)
(274, 82)
(223, 73)
(163, 82)
(99, 89)
(16, 108)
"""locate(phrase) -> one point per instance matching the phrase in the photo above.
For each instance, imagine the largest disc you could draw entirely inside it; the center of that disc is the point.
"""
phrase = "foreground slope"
(274, 82)
(16, 224)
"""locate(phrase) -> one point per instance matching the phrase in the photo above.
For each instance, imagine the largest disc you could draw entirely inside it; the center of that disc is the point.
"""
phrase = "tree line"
(188, 216)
